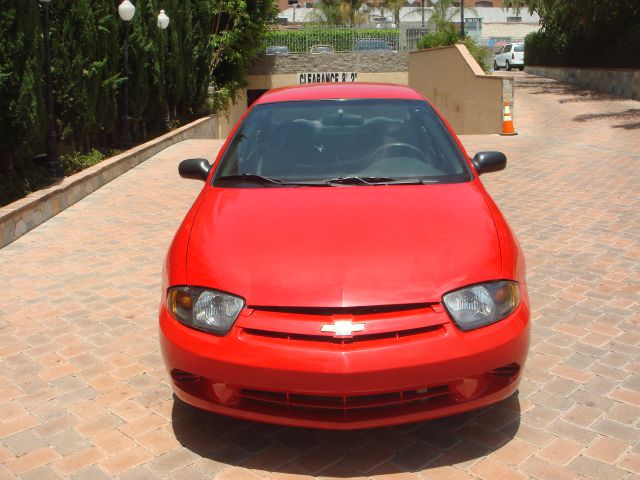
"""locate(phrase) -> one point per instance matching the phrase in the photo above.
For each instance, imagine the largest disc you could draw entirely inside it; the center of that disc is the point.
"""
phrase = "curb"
(25, 214)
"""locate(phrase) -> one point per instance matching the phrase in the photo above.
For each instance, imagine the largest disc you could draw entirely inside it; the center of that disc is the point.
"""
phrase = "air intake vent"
(506, 371)
(184, 377)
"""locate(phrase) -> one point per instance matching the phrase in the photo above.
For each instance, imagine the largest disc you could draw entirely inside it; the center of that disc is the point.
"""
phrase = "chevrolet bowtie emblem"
(343, 328)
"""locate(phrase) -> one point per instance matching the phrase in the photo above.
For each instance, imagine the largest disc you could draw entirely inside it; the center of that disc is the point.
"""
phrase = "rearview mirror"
(486, 162)
(194, 168)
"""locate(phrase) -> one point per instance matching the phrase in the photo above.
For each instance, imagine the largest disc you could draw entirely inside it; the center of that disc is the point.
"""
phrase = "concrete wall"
(452, 80)
(227, 120)
(622, 82)
(25, 214)
(514, 30)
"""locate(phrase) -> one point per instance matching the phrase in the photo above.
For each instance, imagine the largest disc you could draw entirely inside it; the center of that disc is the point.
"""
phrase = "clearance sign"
(326, 77)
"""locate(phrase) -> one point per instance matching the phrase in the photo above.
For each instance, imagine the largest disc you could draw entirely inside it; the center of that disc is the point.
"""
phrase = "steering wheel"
(412, 149)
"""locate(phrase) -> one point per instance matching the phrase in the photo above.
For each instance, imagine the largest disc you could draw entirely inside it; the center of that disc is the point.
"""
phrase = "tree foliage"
(584, 33)
(343, 13)
(23, 117)
(22, 109)
(394, 6)
(444, 11)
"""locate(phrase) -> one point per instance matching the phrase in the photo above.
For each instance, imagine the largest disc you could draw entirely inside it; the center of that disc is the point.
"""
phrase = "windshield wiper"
(255, 178)
(355, 180)
(249, 177)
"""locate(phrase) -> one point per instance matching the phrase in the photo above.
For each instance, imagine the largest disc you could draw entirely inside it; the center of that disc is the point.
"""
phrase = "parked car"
(343, 267)
(511, 55)
(372, 45)
(277, 50)
(321, 49)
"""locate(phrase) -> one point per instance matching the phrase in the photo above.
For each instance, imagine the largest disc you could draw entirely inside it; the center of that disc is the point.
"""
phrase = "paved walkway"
(84, 394)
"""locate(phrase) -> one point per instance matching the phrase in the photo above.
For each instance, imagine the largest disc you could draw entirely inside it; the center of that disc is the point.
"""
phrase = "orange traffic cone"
(507, 121)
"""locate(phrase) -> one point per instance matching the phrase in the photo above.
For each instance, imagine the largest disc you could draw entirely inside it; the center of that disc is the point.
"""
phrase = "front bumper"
(365, 382)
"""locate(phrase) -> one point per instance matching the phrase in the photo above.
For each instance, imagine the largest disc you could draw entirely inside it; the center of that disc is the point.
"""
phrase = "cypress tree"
(76, 70)
(107, 51)
(140, 68)
(22, 109)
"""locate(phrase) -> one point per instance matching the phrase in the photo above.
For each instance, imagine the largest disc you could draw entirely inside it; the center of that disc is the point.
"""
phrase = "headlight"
(207, 310)
(482, 304)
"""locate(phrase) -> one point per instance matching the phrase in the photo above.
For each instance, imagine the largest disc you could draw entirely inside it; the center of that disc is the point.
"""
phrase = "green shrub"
(450, 36)
(544, 48)
(442, 38)
(482, 54)
(76, 162)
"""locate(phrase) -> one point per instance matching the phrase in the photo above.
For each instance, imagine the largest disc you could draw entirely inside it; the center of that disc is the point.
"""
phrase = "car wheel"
(508, 66)
(522, 69)
(495, 65)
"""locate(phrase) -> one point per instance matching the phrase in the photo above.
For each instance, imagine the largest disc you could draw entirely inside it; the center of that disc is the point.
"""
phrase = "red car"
(343, 267)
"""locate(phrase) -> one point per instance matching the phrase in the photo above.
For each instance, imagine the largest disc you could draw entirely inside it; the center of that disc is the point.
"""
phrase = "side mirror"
(486, 162)
(194, 168)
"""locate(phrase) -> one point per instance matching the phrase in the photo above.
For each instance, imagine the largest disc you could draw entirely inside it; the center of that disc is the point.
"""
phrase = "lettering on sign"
(326, 77)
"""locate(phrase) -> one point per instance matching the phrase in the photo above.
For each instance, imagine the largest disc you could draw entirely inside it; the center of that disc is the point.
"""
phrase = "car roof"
(329, 91)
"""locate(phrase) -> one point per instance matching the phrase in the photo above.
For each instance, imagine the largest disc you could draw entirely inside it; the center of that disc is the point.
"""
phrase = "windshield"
(380, 141)
(518, 48)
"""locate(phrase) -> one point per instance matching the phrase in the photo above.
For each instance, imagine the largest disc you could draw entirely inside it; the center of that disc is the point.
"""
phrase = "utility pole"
(53, 161)
(462, 19)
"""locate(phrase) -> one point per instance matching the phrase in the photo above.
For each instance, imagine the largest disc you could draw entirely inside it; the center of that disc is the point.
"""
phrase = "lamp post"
(462, 19)
(163, 23)
(422, 12)
(126, 10)
(53, 161)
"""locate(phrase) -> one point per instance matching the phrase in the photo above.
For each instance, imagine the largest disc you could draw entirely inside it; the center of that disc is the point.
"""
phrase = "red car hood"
(343, 246)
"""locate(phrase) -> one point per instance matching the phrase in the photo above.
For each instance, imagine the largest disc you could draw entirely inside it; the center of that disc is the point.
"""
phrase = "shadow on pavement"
(630, 114)
(405, 448)
(546, 86)
(627, 126)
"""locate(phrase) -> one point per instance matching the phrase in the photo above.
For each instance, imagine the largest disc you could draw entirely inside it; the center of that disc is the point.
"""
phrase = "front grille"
(345, 340)
(328, 311)
(345, 403)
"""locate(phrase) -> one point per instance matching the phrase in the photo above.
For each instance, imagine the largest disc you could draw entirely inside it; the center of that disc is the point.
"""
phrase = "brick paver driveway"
(83, 392)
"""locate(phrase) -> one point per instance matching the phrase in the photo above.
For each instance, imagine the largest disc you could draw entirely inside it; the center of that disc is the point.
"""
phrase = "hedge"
(170, 73)
(341, 39)
(586, 33)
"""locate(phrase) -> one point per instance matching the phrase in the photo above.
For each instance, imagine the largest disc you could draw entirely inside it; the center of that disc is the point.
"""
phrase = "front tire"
(508, 66)
(495, 66)
(522, 69)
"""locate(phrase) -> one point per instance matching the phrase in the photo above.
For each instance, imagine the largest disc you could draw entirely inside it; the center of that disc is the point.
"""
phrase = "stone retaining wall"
(375, 62)
(622, 81)
(24, 215)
